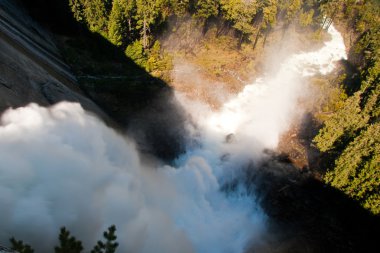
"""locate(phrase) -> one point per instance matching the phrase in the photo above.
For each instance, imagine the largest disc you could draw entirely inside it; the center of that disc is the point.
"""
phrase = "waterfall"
(61, 166)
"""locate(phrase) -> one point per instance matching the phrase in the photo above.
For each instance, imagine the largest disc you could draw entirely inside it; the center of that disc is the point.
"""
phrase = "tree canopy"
(352, 133)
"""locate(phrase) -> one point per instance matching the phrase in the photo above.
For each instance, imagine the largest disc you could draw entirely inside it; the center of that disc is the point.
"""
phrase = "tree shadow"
(142, 104)
(353, 80)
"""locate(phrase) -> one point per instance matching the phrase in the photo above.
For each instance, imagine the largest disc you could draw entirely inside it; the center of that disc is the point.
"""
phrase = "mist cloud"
(63, 167)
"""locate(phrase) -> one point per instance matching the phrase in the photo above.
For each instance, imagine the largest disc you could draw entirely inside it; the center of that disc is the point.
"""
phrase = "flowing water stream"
(63, 167)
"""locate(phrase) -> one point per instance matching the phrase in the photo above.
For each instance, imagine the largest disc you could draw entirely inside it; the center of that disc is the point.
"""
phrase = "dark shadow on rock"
(353, 80)
(305, 215)
(308, 130)
(103, 77)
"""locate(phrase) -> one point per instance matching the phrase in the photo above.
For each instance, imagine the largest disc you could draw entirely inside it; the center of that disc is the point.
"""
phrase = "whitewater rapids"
(61, 166)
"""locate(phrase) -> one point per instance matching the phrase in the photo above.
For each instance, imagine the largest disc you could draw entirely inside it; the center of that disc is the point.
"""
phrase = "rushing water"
(61, 166)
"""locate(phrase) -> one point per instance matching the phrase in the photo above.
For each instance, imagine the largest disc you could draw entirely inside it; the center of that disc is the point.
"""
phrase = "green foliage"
(291, 9)
(356, 170)
(352, 132)
(20, 246)
(332, 95)
(77, 8)
(158, 63)
(124, 22)
(269, 13)
(152, 60)
(366, 15)
(341, 124)
(331, 8)
(96, 15)
(149, 13)
(241, 13)
(117, 24)
(306, 18)
(68, 243)
(110, 244)
(369, 46)
(180, 7)
(135, 51)
(206, 8)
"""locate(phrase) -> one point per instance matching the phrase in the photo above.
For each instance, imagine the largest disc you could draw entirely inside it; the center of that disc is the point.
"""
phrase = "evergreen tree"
(68, 243)
(205, 9)
(342, 124)
(130, 10)
(117, 24)
(291, 9)
(95, 13)
(77, 8)
(269, 16)
(241, 14)
(356, 171)
(20, 246)
(135, 52)
(306, 18)
(110, 245)
(180, 7)
(148, 14)
(270, 13)
(159, 63)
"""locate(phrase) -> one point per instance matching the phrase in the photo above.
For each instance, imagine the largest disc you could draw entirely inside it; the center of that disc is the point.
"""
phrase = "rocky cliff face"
(31, 68)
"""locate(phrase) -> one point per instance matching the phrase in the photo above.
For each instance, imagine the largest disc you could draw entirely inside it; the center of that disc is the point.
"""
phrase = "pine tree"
(117, 24)
(180, 7)
(77, 8)
(149, 13)
(291, 9)
(306, 18)
(356, 171)
(130, 10)
(96, 15)
(20, 246)
(242, 14)
(110, 244)
(67, 243)
(206, 9)
(269, 17)
(135, 52)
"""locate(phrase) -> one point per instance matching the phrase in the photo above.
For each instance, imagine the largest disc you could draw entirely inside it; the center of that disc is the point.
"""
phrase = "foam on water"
(264, 109)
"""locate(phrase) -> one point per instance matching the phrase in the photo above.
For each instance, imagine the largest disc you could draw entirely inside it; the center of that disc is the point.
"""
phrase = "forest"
(135, 26)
